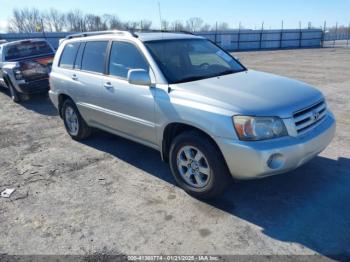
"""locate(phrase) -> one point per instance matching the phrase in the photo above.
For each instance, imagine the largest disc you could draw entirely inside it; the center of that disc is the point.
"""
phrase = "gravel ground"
(110, 195)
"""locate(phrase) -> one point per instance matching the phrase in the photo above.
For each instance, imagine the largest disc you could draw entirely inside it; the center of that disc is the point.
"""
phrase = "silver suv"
(208, 115)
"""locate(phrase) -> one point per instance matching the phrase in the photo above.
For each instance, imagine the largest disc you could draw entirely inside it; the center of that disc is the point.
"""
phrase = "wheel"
(198, 166)
(15, 96)
(74, 123)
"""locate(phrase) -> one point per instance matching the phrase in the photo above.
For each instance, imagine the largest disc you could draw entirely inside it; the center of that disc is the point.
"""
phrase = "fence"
(231, 40)
(236, 40)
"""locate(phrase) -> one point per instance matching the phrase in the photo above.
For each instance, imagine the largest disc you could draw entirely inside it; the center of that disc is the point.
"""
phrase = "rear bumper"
(34, 87)
(250, 160)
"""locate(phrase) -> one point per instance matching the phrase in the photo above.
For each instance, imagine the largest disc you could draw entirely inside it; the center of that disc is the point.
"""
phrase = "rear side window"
(124, 57)
(94, 56)
(68, 55)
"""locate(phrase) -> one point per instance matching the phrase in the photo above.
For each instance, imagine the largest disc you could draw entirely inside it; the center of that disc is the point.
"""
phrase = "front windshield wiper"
(195, 78)
(190, 79)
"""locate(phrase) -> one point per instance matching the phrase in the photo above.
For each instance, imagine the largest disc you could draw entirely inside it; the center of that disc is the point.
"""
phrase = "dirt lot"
(110, 195)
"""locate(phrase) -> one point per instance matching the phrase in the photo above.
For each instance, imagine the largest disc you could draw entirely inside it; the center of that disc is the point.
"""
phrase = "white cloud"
(3, 26)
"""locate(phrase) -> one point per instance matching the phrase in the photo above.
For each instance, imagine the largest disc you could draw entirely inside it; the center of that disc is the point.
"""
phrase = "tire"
(82, 131)
(212, 183)
(15, 96)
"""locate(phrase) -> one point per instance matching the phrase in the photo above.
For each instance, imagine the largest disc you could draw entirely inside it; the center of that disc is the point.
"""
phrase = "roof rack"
(159, 31)
(86, 34)
(131, 32)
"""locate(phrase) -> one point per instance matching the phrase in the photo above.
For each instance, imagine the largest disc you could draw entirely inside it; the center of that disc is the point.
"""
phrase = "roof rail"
(86, 34)
(137, 30)
(131, 32)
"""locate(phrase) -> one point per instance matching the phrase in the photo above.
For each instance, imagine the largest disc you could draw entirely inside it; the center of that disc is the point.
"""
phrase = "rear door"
(61, 78)
(87, 77)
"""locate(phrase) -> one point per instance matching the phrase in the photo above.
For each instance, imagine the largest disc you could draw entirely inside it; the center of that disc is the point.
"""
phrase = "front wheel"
(74, 123)
(198, 166)
(15, 96)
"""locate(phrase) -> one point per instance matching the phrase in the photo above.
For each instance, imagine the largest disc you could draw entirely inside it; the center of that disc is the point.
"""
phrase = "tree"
(55, 21)
(25, 20)
(206, 27)
(165, 25)
(223, 26)
(94, 23)
(75, 21)
(112, 22)
(194, 24)
(131, 25)
(146, 25)
(177, 26)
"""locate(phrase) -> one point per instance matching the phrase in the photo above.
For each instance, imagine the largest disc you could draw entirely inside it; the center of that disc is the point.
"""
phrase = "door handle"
(108, 85)
(74, 77)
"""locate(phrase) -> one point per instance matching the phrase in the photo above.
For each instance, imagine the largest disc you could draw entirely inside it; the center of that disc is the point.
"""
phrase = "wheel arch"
(61, 98)
(174, 129)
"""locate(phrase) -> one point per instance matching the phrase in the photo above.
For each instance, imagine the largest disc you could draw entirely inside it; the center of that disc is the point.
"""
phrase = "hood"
(251, 93)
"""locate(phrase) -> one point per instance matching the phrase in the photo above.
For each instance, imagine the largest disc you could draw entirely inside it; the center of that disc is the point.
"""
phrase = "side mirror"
(139, 77)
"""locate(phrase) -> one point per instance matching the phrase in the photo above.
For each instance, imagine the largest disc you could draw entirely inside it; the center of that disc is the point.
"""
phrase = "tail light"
(18, 73)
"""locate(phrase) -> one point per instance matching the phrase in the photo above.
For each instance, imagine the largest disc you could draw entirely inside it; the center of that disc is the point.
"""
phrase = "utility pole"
(347, 41)
(336, 34)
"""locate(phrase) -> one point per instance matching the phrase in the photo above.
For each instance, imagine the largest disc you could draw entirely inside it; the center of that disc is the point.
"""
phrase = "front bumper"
(251, 160)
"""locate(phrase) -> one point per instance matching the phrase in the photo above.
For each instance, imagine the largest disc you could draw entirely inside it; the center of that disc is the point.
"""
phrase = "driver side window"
(124, 57)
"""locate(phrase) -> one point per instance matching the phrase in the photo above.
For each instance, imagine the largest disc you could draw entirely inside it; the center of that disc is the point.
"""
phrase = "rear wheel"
(74, 123)
(198, 166)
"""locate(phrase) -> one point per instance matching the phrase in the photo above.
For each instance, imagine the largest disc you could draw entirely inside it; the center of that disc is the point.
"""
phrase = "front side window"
(68, 55)
(94, 56)
(124, 57)
(185, 60)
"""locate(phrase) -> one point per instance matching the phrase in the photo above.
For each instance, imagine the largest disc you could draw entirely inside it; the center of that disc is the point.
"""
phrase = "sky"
(250, 13)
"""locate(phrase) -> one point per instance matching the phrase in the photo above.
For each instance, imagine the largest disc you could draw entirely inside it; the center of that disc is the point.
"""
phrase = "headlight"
(259, 128)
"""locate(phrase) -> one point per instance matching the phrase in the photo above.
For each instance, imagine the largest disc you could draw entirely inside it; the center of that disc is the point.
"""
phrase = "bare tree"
(165, 25)
(75, 21)
(194, 24)
(94, 23)
(25, 20)
(223, 26)
(131, 25)
(31, 20)
(55, 21)
(177, 26)
(113, 22)
(206, 27)
(146, 24)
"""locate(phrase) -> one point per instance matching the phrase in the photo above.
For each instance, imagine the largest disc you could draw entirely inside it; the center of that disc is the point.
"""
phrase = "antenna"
(160, 16)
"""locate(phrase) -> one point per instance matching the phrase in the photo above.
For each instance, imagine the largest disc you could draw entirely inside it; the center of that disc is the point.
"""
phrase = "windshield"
(188, 60)
(27, 49)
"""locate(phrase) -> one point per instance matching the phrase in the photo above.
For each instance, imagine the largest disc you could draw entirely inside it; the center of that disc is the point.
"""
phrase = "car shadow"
(41, 104)
(309, 206)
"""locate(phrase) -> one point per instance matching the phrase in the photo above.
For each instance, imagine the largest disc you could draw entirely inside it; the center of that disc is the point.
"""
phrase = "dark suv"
(25, 67)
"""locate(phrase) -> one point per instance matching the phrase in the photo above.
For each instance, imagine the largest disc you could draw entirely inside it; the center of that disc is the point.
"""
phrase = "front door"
(130, 108)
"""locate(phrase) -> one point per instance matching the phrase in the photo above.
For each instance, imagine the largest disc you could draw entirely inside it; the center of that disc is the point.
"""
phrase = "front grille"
(310, 116)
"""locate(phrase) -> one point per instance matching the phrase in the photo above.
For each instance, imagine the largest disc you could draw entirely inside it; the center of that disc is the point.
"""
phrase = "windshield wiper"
(227, 72)
(190, 79)
(195, 78)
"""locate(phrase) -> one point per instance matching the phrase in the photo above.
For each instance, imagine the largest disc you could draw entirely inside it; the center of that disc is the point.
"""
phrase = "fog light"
(275, 161)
